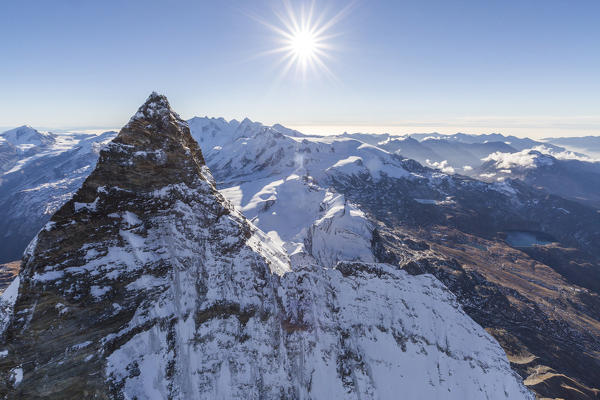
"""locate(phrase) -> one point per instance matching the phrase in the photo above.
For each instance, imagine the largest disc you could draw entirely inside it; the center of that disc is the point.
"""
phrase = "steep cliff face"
(148, 284)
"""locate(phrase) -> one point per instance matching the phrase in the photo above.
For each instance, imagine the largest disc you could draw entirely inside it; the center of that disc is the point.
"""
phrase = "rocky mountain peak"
(156, 108)
(146, 248)
(153, 150)
(156, 126)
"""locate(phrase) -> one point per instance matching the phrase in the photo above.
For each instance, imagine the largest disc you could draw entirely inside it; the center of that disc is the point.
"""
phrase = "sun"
(303, 44)
(304, 39)
(305, 50)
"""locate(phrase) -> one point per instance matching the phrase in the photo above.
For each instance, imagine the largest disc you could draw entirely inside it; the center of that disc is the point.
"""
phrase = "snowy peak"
(25, 137)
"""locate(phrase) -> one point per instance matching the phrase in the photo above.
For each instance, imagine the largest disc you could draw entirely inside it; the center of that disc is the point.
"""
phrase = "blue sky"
(517, 67)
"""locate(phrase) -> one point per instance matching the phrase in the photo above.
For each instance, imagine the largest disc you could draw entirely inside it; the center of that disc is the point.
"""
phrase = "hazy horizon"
(519, 68)
(412, 127)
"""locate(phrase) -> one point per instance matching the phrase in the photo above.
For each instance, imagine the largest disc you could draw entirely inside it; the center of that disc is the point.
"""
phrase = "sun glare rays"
(304, 39)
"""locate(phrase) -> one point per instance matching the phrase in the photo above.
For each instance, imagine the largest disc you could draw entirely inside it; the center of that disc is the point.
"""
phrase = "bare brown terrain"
(548, 326)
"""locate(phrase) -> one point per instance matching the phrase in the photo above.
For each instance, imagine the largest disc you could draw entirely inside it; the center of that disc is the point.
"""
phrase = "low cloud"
(442, 166)
(533, 158)
(565, 155)
(524, 159)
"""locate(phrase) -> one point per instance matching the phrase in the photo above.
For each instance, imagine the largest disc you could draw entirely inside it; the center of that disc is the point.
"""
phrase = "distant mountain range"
(570, 178)
(588, 144)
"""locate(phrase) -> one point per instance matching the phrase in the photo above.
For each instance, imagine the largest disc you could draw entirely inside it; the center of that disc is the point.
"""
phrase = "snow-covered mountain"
(563, 173)
(356, 198)
(25, 138)
(18, 143)
(513, 141)
(149, 284)
(458, 153)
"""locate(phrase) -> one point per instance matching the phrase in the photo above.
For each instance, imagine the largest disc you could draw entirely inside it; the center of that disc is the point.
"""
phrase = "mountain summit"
(154, 149)
(148, 284)
(25, 137)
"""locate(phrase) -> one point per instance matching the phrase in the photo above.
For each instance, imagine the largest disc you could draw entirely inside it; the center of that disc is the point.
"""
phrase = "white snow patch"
(16, 375)
(11, 292)
(89, 206)
(146, 282)
(447, 201)
(81, 345)
(99, 291)
(51, 275)
(61, 308)
(503, 187)
(131, 219)
(7, 303)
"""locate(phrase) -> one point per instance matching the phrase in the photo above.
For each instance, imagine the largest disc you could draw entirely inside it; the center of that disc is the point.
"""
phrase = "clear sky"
(522, 67)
